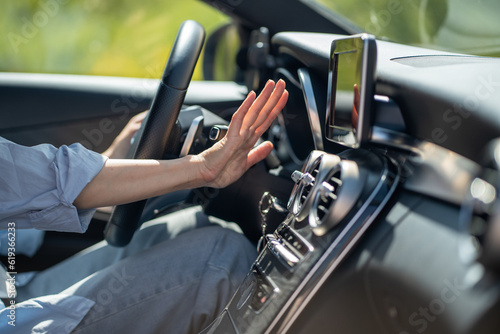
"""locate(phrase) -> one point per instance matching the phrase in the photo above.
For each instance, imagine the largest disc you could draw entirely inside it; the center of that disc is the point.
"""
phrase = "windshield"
(465, 26)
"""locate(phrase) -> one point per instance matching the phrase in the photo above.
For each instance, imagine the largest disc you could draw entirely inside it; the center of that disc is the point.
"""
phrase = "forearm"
(125, 181)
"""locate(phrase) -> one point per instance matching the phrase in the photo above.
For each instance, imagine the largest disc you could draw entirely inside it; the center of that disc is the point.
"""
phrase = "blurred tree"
(113, 37)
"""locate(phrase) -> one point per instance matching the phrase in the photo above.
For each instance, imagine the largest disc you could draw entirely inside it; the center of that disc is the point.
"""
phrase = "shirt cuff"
(74, 167)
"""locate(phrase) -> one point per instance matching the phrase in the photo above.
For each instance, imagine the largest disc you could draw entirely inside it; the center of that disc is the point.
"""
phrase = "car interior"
(378, 210)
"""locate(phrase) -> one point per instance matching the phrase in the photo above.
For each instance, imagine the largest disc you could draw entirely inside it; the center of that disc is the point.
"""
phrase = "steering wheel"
(152, 139)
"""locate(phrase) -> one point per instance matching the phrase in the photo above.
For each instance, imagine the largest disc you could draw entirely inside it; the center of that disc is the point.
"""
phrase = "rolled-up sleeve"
(39, 184)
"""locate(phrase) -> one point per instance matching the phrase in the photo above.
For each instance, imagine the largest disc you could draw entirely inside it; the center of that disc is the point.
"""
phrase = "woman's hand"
(121, 144)
(231, 157)
(123, 181)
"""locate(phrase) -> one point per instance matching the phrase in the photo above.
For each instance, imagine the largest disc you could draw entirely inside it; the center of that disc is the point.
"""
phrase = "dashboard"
(381, 232)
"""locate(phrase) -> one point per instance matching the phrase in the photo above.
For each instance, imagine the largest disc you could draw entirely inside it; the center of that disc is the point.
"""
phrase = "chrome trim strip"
(312, 109)
(235, 328)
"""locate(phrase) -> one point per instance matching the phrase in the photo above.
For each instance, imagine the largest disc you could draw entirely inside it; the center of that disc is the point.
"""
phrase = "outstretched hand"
(124, 181)
(231, 157)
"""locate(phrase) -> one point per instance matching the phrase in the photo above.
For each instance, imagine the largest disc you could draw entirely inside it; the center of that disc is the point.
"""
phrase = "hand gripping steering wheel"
(152, 140)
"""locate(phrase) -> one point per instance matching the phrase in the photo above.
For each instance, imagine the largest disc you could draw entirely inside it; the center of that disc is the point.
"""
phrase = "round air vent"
(306, 181)
(336, 195)
(304, 184)
(327, 194)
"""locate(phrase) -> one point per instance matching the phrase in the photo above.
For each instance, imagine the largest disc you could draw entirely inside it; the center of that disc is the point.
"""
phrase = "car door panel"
(63, 109)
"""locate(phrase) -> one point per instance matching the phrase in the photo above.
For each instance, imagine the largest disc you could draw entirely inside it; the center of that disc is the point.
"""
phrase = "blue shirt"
(28, 242)
(38, 186)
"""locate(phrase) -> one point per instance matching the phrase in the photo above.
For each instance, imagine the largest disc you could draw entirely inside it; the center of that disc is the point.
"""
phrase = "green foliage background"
(133, 38)
(112, 37)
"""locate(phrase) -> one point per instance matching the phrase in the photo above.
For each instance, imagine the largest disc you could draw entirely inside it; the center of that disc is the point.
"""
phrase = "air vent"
(307, 185)
(335, 196)
(305, 181)
(327, 194)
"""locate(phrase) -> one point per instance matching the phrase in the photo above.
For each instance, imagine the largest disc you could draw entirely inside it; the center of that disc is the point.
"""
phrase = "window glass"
(465, 26)
(94, 37)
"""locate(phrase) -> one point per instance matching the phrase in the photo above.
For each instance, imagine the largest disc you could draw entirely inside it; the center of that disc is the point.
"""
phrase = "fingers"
(272, 115)
(134, 124)
(137, 119)
(270, 105)
(259, 153)
(257, 113)
(140, 116)
(239, 115)
(258, 105)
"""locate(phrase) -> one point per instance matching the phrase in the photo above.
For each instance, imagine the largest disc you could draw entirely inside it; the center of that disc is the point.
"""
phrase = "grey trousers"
(176, 275)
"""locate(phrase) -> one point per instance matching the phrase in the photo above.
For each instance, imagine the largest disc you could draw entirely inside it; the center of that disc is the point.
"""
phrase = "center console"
(334, 201)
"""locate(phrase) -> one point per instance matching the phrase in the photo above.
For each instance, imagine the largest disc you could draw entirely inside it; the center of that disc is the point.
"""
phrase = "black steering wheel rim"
(152, 139)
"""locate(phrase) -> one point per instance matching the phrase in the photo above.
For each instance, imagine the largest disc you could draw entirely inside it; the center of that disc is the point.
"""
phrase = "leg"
(178, 286)
(101, 255)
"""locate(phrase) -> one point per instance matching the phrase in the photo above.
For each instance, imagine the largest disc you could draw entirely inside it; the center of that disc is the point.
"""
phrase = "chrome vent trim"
(337, 193)
(328, 193)
(305, 185)
(308, 184)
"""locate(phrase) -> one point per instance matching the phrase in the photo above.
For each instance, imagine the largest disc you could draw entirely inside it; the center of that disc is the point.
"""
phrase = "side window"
(93, 37)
